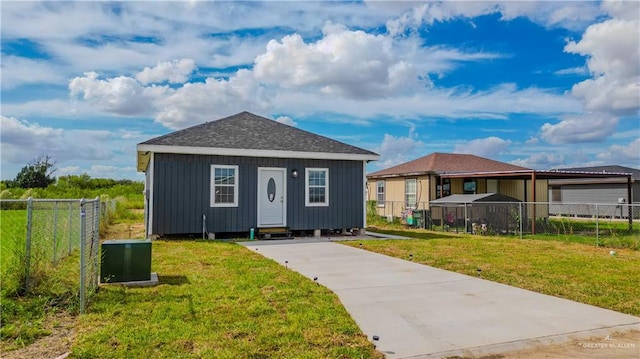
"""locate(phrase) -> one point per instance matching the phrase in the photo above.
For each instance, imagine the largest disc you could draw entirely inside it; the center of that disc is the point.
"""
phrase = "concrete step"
(274, 232)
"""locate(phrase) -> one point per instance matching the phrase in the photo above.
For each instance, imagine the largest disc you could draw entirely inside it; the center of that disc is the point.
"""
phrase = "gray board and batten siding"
(182, 188)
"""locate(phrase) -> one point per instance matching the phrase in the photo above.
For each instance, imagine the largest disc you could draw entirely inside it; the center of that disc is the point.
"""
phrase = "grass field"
(51, 235)
(583, 273)
(219, 300)
(52, 287)
(13, 228)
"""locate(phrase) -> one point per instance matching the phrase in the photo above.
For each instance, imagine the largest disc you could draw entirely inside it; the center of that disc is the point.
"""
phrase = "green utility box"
(125, 261)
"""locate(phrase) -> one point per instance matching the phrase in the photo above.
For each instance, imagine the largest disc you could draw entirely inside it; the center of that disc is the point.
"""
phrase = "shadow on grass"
(173, 279)
(419, 234)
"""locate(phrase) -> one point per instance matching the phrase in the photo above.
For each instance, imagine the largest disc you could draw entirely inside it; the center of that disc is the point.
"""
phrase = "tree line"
(37, 180)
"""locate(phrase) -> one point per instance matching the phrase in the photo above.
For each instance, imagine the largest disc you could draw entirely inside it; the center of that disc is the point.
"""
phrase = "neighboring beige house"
(415, 183)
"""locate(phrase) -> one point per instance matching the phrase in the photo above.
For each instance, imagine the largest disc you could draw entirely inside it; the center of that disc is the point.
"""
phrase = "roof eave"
(540, 174)
(217, 151)
(396, 175)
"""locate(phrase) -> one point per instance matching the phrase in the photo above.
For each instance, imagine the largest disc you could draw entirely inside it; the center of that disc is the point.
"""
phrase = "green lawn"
(583, 273)
(219, 300)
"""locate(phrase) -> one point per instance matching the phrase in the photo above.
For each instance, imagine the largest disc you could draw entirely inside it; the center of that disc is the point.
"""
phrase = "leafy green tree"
(36, 174)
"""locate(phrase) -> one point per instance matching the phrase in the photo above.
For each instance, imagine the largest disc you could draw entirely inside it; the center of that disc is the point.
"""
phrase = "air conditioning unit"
(125, 261)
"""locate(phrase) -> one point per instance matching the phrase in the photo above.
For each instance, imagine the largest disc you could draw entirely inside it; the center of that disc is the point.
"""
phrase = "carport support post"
(533, 195)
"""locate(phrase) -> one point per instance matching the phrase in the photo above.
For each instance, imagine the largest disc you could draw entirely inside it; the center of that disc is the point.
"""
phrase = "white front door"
(272, 197)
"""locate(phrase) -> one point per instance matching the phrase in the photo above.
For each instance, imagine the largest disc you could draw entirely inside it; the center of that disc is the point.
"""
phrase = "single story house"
(416, 183)
(247, 172)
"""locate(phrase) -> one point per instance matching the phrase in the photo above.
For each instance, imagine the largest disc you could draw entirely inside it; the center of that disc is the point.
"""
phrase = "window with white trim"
(316, 187)
(410, 193)
(224, 186)
(380, 193)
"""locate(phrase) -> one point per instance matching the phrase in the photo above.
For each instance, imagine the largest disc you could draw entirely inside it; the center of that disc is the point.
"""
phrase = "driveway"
(419, 311)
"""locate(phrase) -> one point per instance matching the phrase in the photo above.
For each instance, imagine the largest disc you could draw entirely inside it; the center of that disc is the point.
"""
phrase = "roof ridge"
(442, 163)
(246, 130)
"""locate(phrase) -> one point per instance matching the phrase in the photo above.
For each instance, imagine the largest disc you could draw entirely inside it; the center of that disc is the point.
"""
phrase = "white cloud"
(19, 71)
(22, 141)
(541, 161)
(193, 103)
(592, 127)
(395, 150)
(617, 154)
(571, 15)
(76, 151)
(494, 103)
(347, 63)
(287, 121)
(116, 38)
(289, 68)
(198, 102)
(120, 95)
(66, 108)
(68, 170)
(489, 147)
(612, 48)
(20, 134)
(580, 70)
(430, 12)
(176, 71)
(102, 171)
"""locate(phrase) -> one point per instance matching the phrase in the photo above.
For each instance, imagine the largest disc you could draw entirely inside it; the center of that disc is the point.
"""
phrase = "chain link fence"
(42, 235)
(616, 225)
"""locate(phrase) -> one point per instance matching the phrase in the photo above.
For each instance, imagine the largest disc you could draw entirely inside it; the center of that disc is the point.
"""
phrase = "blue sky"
(541, 84)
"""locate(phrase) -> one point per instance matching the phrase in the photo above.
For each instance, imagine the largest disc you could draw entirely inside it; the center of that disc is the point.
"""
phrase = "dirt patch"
(619, 345)
(56, 345)
(125, 231)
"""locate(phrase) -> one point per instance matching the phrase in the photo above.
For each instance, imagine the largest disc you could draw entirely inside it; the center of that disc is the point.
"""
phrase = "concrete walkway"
(423, 312)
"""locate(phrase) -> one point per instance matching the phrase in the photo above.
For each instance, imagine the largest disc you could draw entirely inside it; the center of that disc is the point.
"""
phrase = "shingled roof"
(445, 163)
(246, 134)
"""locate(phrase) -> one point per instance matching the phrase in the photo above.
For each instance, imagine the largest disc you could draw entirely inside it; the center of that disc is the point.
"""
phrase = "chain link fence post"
(69, 228)
(27, 253)
(55, 232)
(83, 215)
(95, 242)
(520, 218)
(597, 225)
